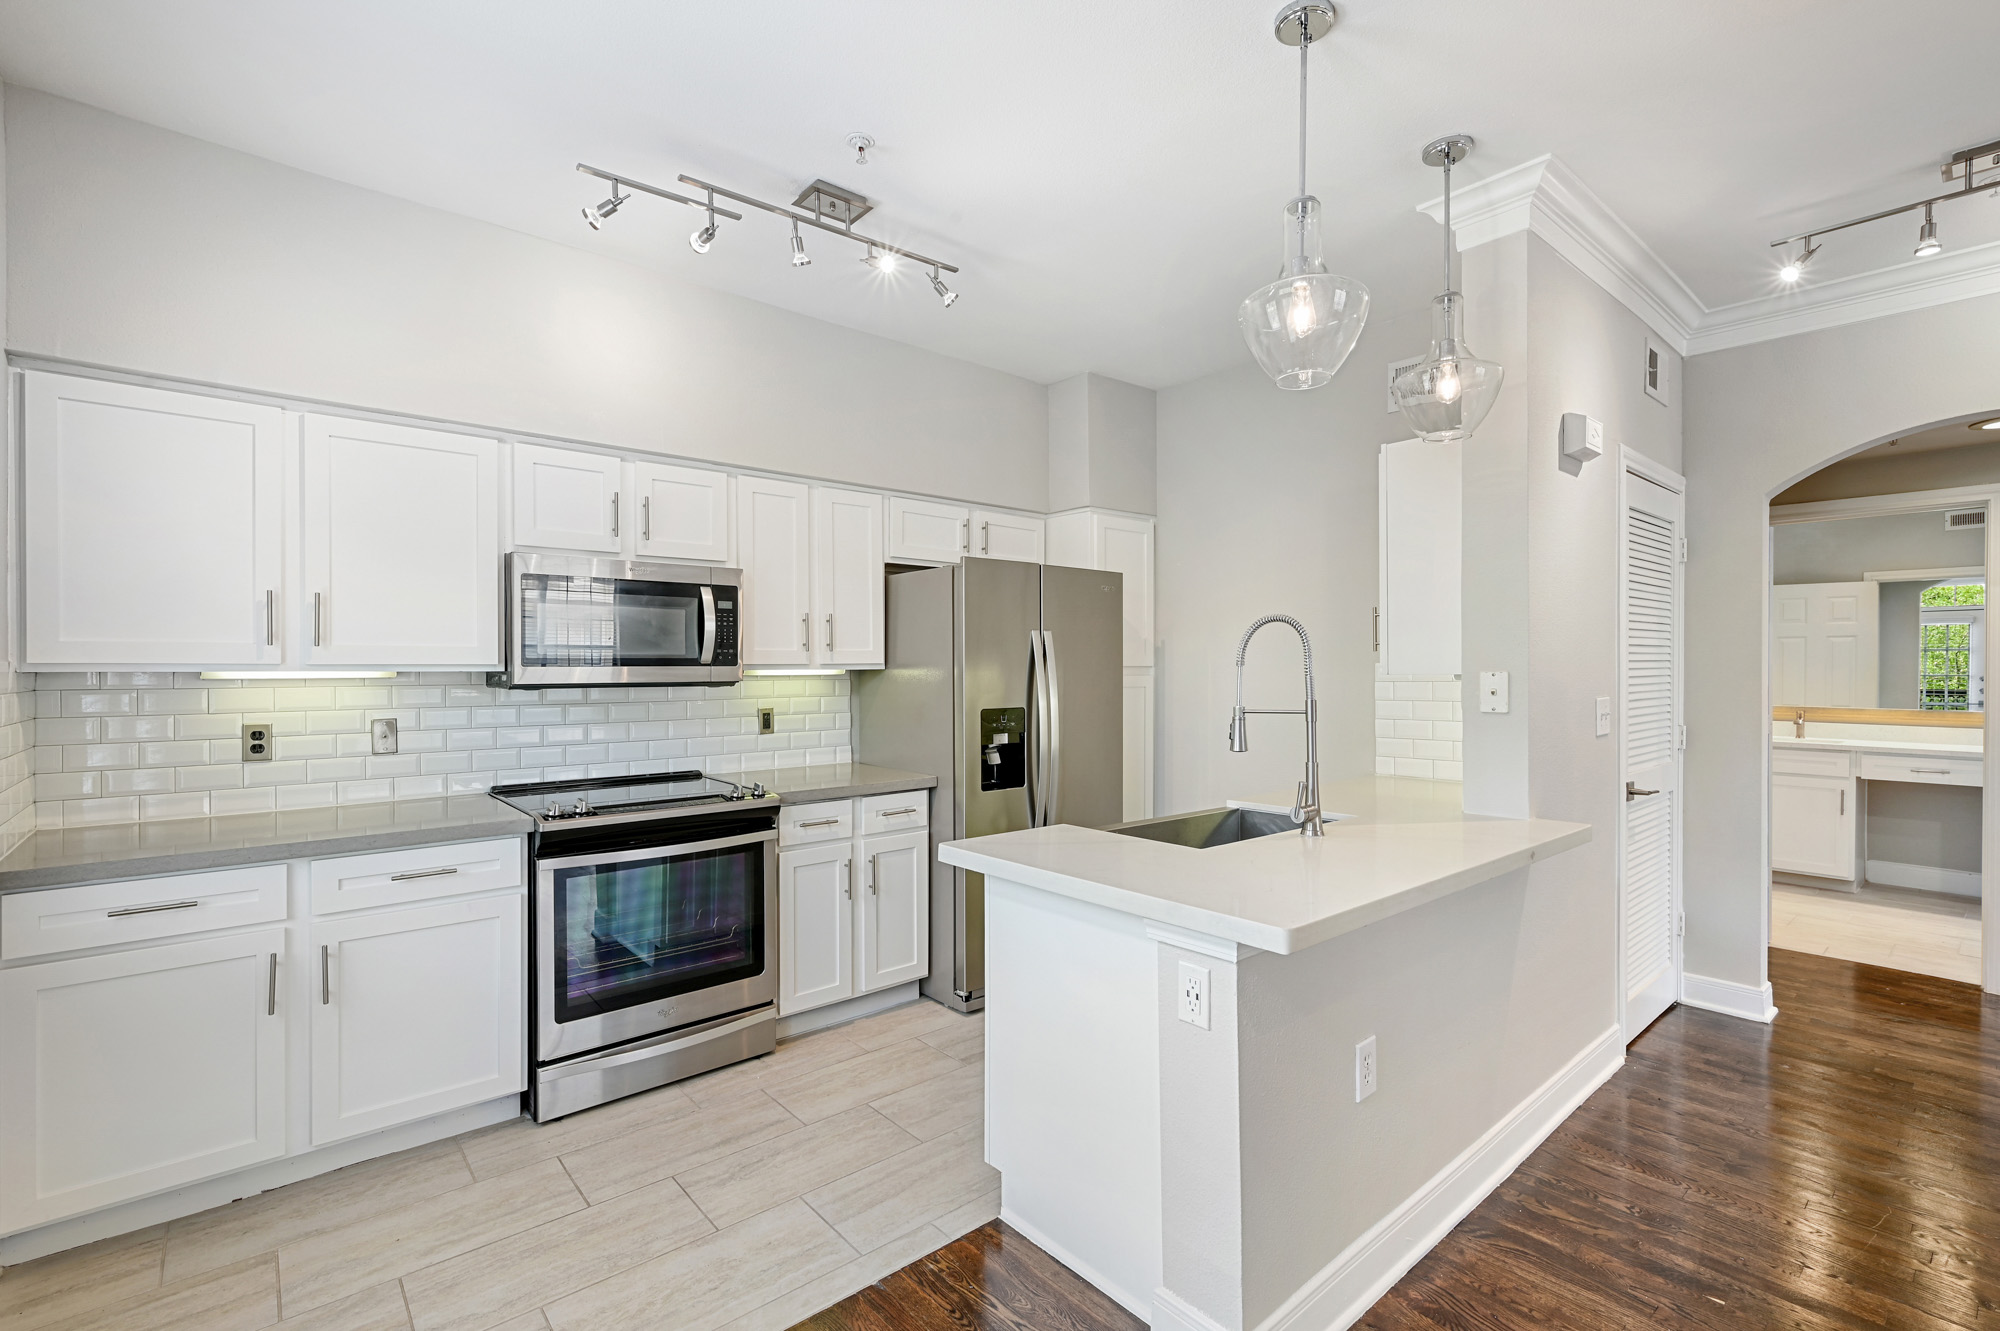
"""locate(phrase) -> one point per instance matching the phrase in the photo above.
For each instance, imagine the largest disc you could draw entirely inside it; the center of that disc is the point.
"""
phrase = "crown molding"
(1545, 197)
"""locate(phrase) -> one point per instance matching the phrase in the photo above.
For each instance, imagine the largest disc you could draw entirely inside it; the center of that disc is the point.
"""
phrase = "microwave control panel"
(725, 626)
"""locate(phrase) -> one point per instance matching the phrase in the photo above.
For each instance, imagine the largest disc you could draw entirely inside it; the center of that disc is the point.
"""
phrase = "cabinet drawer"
(1813, 762)
(420, 873)
(903, 811)
(1935, 771)
(65, 919)
(803, 824)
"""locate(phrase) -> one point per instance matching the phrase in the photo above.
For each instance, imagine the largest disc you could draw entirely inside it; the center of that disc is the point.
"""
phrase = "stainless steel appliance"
(573, 620)
(654, 932)
(1007, 680)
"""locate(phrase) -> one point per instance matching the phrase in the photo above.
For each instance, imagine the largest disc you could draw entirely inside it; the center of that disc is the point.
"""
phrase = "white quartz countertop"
(1402, 842)
(1972, 750)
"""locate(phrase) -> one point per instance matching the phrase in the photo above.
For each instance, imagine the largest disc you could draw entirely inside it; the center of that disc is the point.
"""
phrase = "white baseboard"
(126, 1217)
(1171, 1312)
(1750, 1002)
(1140, 1308)
(1350, 1284)
(847, 1009)
(1924, 878)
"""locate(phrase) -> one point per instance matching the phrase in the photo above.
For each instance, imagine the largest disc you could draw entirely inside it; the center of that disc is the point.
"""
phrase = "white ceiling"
(1109, 177)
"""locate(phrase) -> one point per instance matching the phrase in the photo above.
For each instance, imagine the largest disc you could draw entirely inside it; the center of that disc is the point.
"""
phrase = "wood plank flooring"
(1837, 1169)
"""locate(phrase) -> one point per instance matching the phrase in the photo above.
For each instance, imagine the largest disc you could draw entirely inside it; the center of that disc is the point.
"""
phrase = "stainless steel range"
(654, 932)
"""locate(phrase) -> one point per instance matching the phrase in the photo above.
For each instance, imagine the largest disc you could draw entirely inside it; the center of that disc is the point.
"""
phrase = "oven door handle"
(654, 852)
(708, 629)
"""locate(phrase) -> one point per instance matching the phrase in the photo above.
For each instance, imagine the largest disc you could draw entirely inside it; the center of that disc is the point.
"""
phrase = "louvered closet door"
(1651, 564)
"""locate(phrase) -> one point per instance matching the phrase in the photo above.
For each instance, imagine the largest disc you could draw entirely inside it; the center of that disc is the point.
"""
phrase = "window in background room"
(1951, 663)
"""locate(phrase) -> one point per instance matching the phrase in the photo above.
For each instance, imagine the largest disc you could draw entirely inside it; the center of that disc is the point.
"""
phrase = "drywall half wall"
(1760, 418)
(1102, 445)
(143, 250)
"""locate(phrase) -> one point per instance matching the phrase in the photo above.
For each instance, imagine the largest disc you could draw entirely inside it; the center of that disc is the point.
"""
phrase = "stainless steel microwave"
(572, 620)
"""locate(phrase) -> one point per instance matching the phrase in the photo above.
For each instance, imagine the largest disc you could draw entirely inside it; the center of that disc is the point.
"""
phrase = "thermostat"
(1582, 437)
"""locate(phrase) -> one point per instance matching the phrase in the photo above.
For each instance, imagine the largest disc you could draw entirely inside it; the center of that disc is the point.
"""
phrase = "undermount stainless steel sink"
(1210, 827)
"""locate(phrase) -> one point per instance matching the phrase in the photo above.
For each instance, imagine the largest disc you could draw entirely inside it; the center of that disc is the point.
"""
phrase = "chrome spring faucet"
(1305, 807)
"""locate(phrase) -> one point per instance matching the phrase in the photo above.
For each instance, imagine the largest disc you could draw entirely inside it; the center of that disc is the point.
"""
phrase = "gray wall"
(144, 250)
(1759, 418)
(1937, 826)
(1896, 671)
(1844, 549)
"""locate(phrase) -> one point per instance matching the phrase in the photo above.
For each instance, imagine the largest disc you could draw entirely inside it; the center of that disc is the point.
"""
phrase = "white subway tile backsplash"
(1418, 728)
(159, 746)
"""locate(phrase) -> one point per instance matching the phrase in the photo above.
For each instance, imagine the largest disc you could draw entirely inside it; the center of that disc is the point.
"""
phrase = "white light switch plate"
(1492, 690)
(1604, 716)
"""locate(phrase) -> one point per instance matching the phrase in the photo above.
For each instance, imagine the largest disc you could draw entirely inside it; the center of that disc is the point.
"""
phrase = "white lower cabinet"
(416, 1011)
(853, 913)
(132, 1072)
(1813, 824)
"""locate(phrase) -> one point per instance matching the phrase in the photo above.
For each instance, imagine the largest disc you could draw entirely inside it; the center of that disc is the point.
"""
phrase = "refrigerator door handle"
(1037, 736)
(1053, 787)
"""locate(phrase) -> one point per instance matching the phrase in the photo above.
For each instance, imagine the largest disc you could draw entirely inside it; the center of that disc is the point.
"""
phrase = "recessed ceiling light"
(1993, 424)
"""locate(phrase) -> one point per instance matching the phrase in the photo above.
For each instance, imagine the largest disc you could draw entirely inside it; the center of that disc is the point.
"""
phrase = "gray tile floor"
(1930, 933)
(747, 1199)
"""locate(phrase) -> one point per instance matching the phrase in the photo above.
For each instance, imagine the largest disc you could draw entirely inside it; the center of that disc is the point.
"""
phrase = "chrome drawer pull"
(820, 822)
(1931, 771)
(148, 910)
(325, 981)
(421, 873)
(271, 990)
(895, 813)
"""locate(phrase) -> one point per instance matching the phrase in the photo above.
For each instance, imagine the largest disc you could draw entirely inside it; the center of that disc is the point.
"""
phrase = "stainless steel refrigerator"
(1007, 681)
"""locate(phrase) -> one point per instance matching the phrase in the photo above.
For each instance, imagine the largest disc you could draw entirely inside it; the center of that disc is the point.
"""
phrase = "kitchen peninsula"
(1184, 1022)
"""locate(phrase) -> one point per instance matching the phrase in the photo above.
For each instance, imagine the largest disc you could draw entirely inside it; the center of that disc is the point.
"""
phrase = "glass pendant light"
(1446, 394)
(1302, 326)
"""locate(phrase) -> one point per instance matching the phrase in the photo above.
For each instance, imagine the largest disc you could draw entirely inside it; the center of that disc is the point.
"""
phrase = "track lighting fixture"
(1447, 393)
(1927, 237)
(596, 215)
(882, 261)
(945, 293)
(800, 258)
(702, 239)
(1794, 269)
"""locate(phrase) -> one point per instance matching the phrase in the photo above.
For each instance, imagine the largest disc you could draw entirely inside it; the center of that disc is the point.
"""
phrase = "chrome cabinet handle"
(895, 813)
(421, 873)
(325, 980)
(985, 538)
(614, 512)
(645, 517)
(708, 626)
(1378, 628)
(805, 633)
(1843, 801)
(316, 597)
(1633, 792)
(148, 910)
(271, 989)
(847, 879)
(829, 633)
(965, 535)
(820, 822)
(871, 873)
(1931, 771)
(270, 619)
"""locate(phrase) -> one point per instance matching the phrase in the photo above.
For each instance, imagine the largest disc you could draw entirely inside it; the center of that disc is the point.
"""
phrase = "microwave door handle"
(708, 625)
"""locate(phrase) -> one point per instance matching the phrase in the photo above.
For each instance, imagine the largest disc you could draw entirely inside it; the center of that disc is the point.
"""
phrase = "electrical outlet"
(1364, 1069)
(1604, 716)
(1194, 994)
(257, 742)
(767, 720)
(382, 735)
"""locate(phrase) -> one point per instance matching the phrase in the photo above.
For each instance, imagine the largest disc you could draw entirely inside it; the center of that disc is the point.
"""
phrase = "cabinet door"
(773, 548)
(1419, 523)
(566, 499)
(1138, 744)
(683, 513)
(133, 1072)
(927, 532)
(815, 927)
(416, 1011)
(848, 590)
(153, 526)
(401, 563)
(1125, 546)
(1007, 536)
(892, 933)
(1812, 825)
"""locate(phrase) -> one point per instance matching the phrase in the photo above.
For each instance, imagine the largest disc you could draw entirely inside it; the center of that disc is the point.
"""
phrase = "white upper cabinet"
(683, 513)
(848, 591)
(928, 532)
(154, 526)
(567, 499)
(400, 562)
(1115, 542)
(1420, 523)
(774, 550)
(1006, 536)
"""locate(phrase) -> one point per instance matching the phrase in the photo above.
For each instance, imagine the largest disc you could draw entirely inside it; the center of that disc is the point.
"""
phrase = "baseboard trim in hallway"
(1750, 1002)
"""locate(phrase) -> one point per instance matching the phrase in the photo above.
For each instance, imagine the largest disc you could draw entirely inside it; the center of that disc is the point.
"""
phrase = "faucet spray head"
(1239, 732)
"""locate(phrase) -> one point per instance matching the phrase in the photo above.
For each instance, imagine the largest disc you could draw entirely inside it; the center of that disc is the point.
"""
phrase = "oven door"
(633, 942)
(599, 621)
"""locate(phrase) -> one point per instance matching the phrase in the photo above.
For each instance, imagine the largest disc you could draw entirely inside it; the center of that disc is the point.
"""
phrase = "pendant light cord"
(1305, 44)
(1447, 220)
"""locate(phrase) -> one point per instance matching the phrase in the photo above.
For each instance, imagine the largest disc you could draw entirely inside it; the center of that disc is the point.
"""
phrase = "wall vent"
(1965, 517)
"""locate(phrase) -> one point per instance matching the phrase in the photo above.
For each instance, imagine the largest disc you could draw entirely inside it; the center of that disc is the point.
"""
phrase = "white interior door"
(1825, 644)
(1651, 564)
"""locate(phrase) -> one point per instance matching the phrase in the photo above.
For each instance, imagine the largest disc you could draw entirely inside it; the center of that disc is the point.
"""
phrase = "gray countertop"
(61, 857)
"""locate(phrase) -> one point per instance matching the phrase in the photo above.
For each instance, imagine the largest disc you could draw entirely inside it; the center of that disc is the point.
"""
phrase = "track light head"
(800, 258)
(882, 261)
(945, 293)
(597, 215)
(1794, 269)
(1927, 237)
(702, 239)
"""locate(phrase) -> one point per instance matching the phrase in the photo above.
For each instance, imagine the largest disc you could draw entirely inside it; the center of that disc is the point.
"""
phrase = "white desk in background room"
(1820, 781)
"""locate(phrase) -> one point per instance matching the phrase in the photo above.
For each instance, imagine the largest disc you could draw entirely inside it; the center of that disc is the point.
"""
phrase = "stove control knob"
(553, 813)
(582, 809)
(757, 791)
